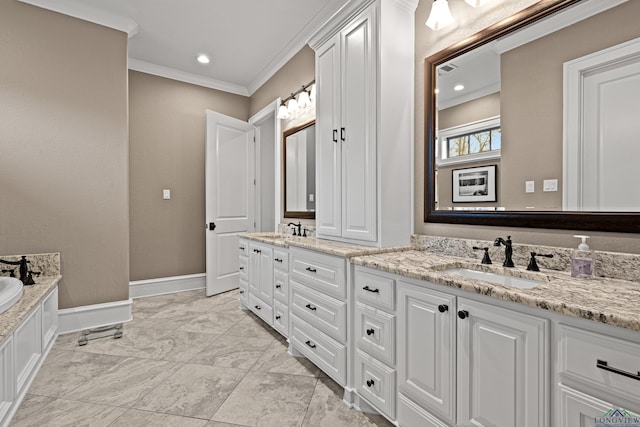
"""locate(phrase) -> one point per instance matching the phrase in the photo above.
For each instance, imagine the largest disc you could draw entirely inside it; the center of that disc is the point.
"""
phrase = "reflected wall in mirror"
(299, 148)
(550, 97)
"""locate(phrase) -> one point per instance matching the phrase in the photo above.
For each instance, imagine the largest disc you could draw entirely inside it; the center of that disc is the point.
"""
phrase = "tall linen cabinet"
(364, 123)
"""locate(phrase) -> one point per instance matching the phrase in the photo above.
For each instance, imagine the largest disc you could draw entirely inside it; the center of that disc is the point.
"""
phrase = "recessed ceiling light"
(458, 87)
(202, 58)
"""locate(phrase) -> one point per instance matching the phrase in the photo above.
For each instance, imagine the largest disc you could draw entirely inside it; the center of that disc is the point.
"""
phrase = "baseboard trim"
(93, 316)
(166, 285)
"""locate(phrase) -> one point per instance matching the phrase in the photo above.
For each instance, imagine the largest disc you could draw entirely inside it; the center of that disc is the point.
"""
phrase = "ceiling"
(247, 40)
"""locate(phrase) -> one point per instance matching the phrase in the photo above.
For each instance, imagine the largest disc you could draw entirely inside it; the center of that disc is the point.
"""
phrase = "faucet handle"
(485, 258)
(533, 265)
(11, 271)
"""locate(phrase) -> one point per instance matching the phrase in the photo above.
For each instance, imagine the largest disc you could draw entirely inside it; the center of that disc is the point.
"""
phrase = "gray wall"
(167, 144)
(64, 149)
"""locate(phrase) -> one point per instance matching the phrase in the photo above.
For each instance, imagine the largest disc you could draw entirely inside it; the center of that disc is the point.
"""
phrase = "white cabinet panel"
(426, 348)
(27, 347)
(7, 394)
(281, 286)
(325, 313)
(376, 383)
(375, 332)
(324, 273)
(49, 318)
(502, 366)
(281, 318)
(375, 290)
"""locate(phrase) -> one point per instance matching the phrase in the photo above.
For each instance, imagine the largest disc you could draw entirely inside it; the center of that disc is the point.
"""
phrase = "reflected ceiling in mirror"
(547, 97)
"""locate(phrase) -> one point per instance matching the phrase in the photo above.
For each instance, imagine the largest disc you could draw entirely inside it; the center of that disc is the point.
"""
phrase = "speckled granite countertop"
(31, 297)
(611, 301)
(331, 247)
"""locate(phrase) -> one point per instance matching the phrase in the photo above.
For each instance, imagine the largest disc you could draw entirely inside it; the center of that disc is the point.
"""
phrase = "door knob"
(212, 226)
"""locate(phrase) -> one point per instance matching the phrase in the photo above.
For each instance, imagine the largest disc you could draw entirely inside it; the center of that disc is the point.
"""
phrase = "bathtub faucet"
(26, 276)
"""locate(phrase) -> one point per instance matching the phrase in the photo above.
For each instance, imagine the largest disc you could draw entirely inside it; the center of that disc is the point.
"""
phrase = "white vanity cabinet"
(502, 366)
(261, 281)
(364, 78)
(243, 262)
(318, 310)
(281, 291)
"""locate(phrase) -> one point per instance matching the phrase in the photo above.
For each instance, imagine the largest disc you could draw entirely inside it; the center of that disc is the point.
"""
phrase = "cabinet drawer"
(243, 247)
(281, 318)
(580, 351)
(325, 313)
(328, 354)
(576, 407)
(243, 262)
(281, 286)
(262, 309)
(49, 318)
(375, 332)
(244, 292)
(375, 290)
(376, 383)
(280, 260)
(322, 272)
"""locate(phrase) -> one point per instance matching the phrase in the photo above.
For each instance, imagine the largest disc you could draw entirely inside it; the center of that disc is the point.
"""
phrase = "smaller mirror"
(299, 148)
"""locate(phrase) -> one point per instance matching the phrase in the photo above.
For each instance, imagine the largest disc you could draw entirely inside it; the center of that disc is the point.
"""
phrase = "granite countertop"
(31, 297)
(611, 301)
(331, 247)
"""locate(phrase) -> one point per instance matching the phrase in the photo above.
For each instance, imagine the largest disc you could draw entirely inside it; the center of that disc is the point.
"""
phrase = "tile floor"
(185, 360)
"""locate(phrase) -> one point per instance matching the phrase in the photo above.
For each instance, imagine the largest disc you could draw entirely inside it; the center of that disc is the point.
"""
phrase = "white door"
(230, 197)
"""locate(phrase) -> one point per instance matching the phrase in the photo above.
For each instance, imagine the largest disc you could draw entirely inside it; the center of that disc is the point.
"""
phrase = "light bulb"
(312, 95)
(292, 105)
(440, 15)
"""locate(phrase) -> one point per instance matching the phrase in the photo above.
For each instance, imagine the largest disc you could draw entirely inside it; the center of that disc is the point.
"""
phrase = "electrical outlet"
(311, 197)
(530, 187)
(166, 194)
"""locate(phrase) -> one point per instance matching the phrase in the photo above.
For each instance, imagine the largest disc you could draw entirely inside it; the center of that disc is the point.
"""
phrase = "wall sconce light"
(440, 15)
(290, 106)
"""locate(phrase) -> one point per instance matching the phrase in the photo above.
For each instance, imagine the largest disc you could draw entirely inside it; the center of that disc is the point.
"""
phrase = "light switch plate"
(530, 186)
(550, 185)
(166, 194)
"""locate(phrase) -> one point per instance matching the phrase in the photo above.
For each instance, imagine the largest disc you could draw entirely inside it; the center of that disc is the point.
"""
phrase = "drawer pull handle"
(277, 317)
(602, 364)
(242, 248)
(370, 331)
(258, 307)
(310, 344)
(278, 286)
(370, 383)
(443, 307)
(310, 307)
(257, 251)
(241, 292)
(463, 314)
(312, 270)
(375, 291)
(241, 268)
(277, 260)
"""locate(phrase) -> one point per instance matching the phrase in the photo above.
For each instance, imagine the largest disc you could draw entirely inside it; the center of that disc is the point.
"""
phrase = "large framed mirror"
(299, 164)
(541, 111)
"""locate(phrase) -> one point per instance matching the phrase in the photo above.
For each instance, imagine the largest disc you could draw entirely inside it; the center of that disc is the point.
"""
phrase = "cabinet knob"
(241, 292)
(463, 314)
(258, 307)
(442, 308)
(278, 286)
(241, 268)
(370, 383)
(370, 331)
(241, 248)
(277, 317)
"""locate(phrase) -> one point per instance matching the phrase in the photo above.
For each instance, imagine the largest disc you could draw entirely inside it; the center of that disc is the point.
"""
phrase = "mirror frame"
(285, 134)
(595, 221)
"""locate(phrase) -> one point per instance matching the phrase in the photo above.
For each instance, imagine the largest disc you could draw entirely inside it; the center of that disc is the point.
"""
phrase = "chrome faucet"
(26, 276)
(508, 250)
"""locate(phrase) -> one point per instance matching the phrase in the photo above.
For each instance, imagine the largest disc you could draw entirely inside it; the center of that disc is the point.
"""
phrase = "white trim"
(345, 14)
(172, 73)
(573, 114)
(166, 285)
(93, 316)
(580, 12)
(88, 13)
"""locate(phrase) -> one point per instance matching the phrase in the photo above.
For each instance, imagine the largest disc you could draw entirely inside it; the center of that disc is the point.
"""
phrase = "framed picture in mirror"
(474, 184)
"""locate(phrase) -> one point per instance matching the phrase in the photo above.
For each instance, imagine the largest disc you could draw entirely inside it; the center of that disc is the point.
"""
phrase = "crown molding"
(88, 13)
(173, 74)
(294, 46)
(337, 21)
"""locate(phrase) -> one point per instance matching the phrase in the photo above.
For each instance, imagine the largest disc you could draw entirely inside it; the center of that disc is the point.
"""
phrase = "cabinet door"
(266, 274)
(358, 131)
(328, 162)
(254, 268)
(426, 348)
(580, 410)
(503, 367)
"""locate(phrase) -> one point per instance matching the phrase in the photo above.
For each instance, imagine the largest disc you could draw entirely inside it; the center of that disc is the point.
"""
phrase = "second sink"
(499, 279)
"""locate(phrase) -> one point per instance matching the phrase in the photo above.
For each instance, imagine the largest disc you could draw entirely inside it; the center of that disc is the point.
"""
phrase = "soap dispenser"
(583, 260)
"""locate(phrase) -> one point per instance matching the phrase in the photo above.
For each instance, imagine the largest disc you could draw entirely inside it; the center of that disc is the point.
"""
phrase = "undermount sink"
(499, 279)
(11, 290)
